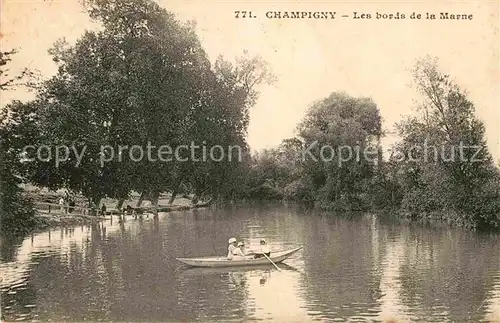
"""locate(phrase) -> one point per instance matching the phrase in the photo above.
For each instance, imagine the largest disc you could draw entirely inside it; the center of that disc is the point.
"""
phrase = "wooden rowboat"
(218, 261)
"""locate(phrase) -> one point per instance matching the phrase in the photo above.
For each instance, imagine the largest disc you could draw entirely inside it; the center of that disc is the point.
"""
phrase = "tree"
(224, 122)
(134, 83)
(17, 214)
(451, 170)
(143, 80)
(315, 166)
(336, 132)
(27, 77)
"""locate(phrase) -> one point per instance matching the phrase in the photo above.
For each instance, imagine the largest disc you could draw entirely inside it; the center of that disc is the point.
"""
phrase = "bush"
(17, 215)
(299, 191)
(265, 192)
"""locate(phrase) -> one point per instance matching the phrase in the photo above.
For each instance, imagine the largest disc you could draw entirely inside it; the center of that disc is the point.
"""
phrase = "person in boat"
(238, 254)
(249, 253)
(264, 249)
(241, 246)
(234, 252)
(230, 249)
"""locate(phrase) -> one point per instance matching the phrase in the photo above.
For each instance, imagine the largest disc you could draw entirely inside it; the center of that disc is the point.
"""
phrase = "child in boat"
(247, 252)
(238, 253)
(241, 246)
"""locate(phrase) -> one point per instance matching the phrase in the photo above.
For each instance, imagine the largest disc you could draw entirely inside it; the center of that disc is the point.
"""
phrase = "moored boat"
(219, 261)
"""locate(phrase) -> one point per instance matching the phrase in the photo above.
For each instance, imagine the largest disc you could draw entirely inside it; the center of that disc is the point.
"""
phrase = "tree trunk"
(94, 205)
(176, 189)
(141, 198)
(154, 202)
(175, 192)
(195, 199)
(172, 198)
(156, 225)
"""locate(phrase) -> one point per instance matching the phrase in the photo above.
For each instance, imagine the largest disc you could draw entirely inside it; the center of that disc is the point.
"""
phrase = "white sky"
(311, 58)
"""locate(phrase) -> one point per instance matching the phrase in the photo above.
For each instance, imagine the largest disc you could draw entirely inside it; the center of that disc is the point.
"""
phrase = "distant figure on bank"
(49, 201)
(264, 249)
(130, 210)
(71, 205)
(103, 209)
(61, 205)
(67, 200)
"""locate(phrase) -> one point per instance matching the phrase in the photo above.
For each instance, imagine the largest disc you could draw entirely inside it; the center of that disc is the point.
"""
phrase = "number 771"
(243, 14)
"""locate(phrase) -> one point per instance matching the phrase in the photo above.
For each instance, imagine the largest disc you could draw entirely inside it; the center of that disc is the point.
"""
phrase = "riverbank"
(50, 215)
(436, 219)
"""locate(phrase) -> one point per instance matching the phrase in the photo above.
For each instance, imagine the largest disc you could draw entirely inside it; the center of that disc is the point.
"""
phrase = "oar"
(271, 262)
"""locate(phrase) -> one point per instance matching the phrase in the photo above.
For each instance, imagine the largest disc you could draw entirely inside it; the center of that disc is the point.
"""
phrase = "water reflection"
(351, 269)
(492, 302)
(339, 281)
(391, 307)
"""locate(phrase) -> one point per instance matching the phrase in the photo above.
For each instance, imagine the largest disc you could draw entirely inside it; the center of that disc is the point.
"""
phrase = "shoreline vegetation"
(50, 214)
(144, 79)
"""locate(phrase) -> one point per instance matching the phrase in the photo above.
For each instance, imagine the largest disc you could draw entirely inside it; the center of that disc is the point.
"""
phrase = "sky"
(311, 58)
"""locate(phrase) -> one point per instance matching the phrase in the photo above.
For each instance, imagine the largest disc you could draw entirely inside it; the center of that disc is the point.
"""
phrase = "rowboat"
(218, 261)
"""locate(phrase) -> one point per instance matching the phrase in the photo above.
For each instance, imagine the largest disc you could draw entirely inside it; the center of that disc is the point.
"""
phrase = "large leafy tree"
(136, 82)
(332, 161)
(443, 158)
(144, 80)
(334, 130)
(234, 93)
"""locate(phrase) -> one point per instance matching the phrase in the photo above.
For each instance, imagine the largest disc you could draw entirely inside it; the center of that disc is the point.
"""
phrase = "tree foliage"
(447, 167)
(440, 168)
(142, 80)
(323, 164)
(16, 210)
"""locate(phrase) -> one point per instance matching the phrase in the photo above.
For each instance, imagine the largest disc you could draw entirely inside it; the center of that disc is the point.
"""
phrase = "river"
(356, 269)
